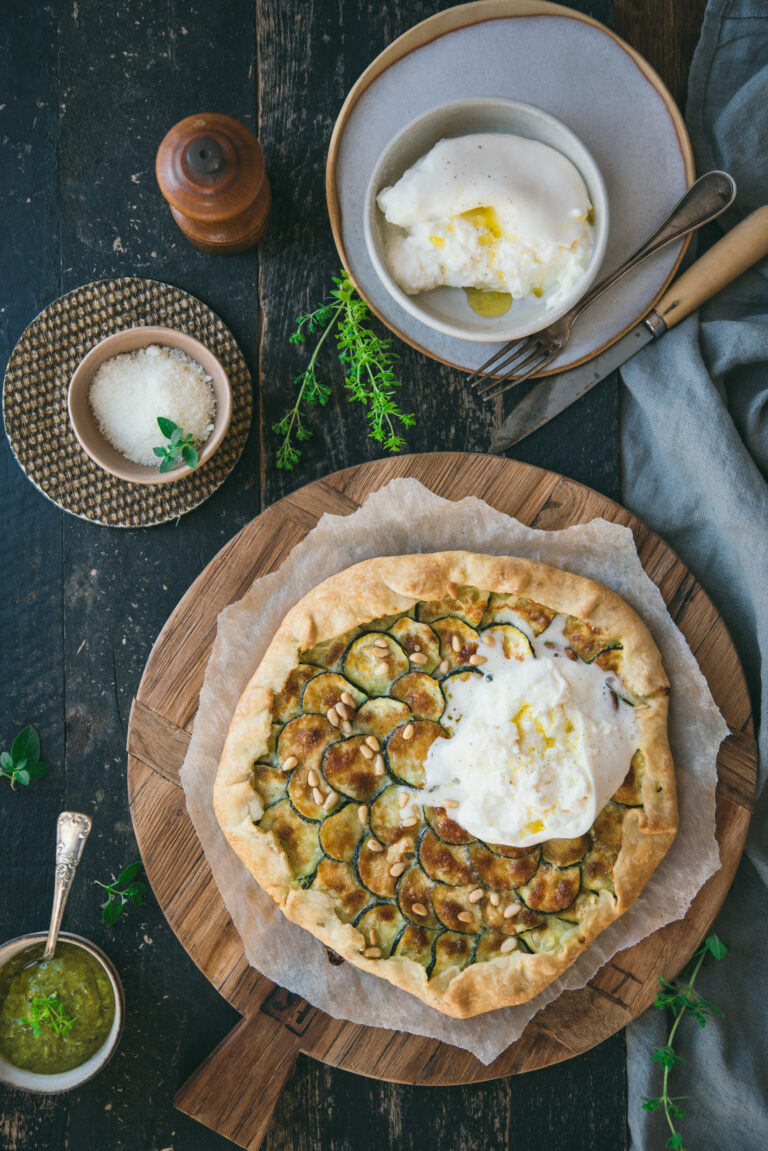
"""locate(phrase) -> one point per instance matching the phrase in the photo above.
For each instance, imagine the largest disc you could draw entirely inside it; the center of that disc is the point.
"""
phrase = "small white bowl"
(446, 309)
(65, 1080)
(83, 421)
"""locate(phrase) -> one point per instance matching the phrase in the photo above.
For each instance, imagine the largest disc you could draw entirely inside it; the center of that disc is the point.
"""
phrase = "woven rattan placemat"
(35, 400)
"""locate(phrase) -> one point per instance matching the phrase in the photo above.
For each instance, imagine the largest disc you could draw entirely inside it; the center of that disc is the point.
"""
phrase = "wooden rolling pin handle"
(739, 249)
(235, 1091)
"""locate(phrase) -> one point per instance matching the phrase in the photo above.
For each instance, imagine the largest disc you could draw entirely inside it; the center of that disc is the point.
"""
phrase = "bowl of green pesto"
(60, 1019)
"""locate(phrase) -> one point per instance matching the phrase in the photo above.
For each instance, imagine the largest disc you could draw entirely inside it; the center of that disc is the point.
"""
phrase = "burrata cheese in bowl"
(486, 234)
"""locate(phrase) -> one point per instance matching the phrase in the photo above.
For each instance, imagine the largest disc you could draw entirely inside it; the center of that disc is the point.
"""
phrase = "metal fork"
(706, 199)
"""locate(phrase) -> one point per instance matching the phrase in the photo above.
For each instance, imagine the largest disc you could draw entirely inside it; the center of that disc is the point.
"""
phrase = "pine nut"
(476, 895)
(381, 669)
(372, 935)
(419, 658)
(456, 644)
(373, 743)
(403, 798)
(313, 779)
(333, 716)
(362, 814)
(397, 869)
(372, 952)
(347, 699)
(374, 845)
(408, 731)
(329, 801)
(477, 660)
(509, 944)
(341, 709)
(418, 909)
(451, 803)
(495, 898)
(317, 795)
(378, 765)
(346, 727)
(289, 763)
(512, 909)
(409, 822)
(366, 751)
(465, 916)
(381, 644)
(444, 665)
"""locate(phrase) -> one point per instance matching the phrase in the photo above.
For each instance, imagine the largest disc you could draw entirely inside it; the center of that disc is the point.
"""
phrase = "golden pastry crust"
(632, 836)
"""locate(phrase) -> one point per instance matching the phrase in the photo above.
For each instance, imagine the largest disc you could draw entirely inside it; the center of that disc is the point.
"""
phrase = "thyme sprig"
(369, 375)
(180, 449)
(48, 1009)
(681, 1001)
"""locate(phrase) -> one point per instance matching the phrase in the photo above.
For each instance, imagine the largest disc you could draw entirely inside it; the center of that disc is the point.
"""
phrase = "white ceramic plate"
(567, 64)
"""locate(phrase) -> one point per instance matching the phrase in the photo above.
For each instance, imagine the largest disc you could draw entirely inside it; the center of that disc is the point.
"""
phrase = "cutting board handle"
(235, 1091)
(739, 249)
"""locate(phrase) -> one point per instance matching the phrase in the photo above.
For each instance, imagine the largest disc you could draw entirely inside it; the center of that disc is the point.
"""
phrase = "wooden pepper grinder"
(210, 169)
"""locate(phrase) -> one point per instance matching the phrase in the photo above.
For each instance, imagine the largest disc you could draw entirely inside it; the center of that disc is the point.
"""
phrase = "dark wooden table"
(87, 90)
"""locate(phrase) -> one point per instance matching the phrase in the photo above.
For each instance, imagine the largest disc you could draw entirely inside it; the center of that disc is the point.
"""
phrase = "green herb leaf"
(6, 761)
(26, 745)
(168, 463)
(167, 427)
(111, 910)
(21, 776)
(48, 1009)
(130, 872)
(717, 947)
(190, 455)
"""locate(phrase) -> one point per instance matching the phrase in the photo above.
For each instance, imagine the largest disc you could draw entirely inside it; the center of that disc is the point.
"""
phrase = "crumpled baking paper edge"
(402, 517)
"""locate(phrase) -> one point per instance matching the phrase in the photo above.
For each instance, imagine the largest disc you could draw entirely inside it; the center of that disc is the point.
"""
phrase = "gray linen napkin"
(694, 441)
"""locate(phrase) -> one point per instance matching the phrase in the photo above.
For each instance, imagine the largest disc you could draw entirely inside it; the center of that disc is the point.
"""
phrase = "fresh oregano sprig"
(122, 892)
(48, 1009)
(22, 763)
(681, 1001)
(369, 375)
(181, 447)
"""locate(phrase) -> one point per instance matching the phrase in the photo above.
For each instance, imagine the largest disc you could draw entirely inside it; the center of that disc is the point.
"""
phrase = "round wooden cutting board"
(236, 1089)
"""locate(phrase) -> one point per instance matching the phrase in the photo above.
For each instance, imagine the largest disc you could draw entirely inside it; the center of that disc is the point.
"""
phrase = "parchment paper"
(401, 518)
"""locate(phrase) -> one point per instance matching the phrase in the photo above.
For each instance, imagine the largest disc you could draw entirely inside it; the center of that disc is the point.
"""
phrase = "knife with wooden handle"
(738, 250)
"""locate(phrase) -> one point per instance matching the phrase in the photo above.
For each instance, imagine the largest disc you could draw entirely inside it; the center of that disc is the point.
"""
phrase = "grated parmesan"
(130, 391)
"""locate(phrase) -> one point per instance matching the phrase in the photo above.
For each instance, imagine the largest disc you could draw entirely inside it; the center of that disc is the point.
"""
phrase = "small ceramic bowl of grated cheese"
(486, 218)
(133, 378)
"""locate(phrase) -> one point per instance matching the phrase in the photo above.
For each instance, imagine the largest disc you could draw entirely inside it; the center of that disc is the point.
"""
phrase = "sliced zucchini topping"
(419, 642)
(458, 641)
(341, 833)
(443, 861)
(340, 789)
(552, 888)
(469, 606)
(324, 691)
(346, 768)
(298, 837)
(407, 749)
(373, 661)
(421, 693)
(339, 880)
(289, 701)
(452, 949)
(380, 926)
(503, 608)
(381, 716)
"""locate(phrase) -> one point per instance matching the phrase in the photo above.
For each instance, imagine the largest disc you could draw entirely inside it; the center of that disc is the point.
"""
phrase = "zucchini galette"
(453, 769)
